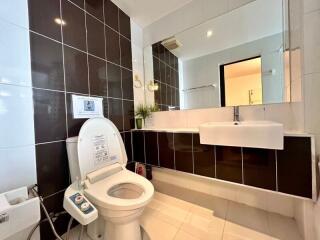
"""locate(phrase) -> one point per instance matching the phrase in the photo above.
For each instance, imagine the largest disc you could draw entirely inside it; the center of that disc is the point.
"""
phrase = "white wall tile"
(15, 63)
(312, 42)
(311, 5)
(15, 11)
(16, 116)
(312, 100)
(18, 167)
(233, 4)
(281, 113)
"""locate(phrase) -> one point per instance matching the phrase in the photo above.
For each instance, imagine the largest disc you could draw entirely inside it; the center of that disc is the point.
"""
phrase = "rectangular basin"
(255, 134)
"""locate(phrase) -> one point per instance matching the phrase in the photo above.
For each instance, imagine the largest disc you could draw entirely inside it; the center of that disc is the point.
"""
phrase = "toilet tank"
(72, 150)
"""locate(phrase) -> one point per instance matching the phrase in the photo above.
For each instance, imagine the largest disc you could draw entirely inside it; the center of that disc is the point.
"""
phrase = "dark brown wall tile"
(49, 115)
(74, 31)
(166, 154)
(127, 84)
(204, 159)
(47, 69)
(294, 167)
(114, 81)
(52, 168)
(79, 3)
(124, 22)
(183, 152)
(42, 15)
(95, 37)
(151, 139)
(115, 112)
(76, 70)
(111, 14)
(95, 7)
(112, 45)
(259, 168)
(138, 146)
(128, 115)
(229, 164)
(126, 54)
(97, 77)
(127, 139)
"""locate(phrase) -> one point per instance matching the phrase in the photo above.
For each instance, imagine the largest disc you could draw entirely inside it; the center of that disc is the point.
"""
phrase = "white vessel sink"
(256, 134)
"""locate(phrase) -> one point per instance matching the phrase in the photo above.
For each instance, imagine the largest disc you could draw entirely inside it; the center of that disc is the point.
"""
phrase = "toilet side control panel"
(79, 207)
(82, 204)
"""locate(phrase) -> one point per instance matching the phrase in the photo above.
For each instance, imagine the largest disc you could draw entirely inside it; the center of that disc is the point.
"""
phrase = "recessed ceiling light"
(209, 33)
(60, 21)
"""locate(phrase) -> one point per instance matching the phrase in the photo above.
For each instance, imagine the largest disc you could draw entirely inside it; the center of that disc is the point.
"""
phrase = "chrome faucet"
(236, 114)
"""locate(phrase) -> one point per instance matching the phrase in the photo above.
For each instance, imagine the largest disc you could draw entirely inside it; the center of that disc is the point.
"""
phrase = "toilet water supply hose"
(50, 220)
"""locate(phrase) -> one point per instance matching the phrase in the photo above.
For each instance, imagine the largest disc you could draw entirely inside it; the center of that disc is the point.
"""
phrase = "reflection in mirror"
(238, 58)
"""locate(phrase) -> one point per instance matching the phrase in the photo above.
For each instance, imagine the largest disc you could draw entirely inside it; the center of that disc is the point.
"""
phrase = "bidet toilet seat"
(99, 192)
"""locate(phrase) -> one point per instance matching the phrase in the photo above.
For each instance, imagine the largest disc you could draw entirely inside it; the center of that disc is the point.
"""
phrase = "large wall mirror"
(238, 58)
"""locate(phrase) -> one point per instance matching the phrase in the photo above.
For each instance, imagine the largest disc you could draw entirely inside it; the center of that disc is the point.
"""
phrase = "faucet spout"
(236, 114)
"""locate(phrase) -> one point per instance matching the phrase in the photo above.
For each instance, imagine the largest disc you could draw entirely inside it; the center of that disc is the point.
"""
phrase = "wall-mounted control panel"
(78, 206)
(86, 107)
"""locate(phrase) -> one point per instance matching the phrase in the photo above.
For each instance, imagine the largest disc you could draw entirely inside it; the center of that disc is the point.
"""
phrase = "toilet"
(97, 160)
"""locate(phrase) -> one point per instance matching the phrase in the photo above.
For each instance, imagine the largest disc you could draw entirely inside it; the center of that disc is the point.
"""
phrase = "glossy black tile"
(114, 81)
(151, 139)
(138, 146)
(124, 24)
(204, 159)
(172, 60)
(168, 75)
(95, 7)
(49, 115)
(229, 164)
(111, 14)
(131, 166)
(73, 124)
(127, 140)
(43, 15)
(76, 71)
(294, 167)
(112, 45)
(127, 84)
(105, 105)
(168, 95)
(162, 72)
(155, 49)
(95, 37)
(74, 30)
(162, 51)
(52, 168)
(166, 150)
(177, 98)
(156, 68)
(183, 152)
(163, 91)
(259, 168)
(128, 115)
(47, 69)
(97, 77)
(115, 112)
(79, 3)
(157, 94)
(126, 54)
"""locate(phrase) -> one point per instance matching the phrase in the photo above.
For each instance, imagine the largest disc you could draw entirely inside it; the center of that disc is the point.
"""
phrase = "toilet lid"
(99, 145)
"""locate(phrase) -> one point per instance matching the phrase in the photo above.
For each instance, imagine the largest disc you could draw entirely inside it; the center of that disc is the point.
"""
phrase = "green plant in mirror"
(143, 112)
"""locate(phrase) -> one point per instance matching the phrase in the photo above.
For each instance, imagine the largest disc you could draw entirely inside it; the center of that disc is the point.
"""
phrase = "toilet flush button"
(79, 199)
(85, 206)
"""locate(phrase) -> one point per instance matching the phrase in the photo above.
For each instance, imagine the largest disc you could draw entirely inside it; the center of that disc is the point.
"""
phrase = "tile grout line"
(64, 71)
(87, 49)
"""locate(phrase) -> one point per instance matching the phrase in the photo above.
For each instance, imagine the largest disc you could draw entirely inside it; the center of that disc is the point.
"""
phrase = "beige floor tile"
(283, 228)
(181, 235)
(171, 201)
(234, 231)
(202, 224)
(248, 217)
(158, 230)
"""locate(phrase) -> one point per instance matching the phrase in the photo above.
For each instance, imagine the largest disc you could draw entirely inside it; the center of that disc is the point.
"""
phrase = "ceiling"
(145, 12)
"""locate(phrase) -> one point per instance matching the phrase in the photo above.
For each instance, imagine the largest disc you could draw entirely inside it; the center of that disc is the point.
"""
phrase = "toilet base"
(130, 230)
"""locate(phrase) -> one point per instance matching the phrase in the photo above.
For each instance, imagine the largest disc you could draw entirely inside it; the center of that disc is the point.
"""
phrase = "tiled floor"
(169, 218)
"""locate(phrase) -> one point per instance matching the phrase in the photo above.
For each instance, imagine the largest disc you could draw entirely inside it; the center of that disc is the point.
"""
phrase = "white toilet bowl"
(98, 158)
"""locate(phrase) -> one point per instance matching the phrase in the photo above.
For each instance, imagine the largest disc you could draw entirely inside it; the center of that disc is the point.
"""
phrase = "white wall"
(17, 143)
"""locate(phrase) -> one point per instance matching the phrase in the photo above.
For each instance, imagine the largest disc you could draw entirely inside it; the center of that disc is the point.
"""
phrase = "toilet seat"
(98, 191)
